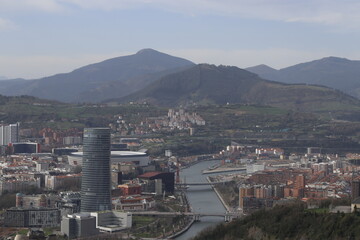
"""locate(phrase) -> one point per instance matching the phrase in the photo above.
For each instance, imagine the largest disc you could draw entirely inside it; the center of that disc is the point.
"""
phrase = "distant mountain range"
(111, 78)
(166, 80)
(333, 72)
(209, 84)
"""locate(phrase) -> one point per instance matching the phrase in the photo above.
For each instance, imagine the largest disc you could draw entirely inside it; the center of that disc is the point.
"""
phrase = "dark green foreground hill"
(288, 222)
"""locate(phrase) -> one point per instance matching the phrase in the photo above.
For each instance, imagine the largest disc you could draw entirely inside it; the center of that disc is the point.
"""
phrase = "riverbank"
(202, 199)
(198, 161)
(185, 200)
(220, 170)
(183, 230)
(226, 206)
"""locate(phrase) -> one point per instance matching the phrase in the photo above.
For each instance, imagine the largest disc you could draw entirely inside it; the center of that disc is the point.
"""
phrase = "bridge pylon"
(227, 218)
(197, 217)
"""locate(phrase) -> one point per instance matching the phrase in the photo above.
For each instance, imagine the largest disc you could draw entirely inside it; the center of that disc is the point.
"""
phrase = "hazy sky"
(43, 37)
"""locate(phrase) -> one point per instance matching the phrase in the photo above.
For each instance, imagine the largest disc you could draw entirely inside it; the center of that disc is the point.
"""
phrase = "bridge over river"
(200, 183)
(228, 216)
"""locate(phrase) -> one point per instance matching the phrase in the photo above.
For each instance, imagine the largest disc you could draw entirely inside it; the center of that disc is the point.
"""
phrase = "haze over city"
(44, 37)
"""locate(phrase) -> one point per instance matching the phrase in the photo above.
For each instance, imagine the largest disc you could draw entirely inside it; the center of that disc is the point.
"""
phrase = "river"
(203, 199)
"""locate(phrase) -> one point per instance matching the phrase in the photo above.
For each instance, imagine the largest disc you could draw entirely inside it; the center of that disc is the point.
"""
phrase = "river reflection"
(202, 199)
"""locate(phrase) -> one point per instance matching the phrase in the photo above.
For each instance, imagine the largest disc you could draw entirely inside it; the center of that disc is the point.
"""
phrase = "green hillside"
(39, 113)
(287, 222)
(209, 84)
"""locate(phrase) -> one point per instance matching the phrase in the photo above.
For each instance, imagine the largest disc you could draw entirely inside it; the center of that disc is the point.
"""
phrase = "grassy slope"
(208, 84)
(288, 222)
(33, 112)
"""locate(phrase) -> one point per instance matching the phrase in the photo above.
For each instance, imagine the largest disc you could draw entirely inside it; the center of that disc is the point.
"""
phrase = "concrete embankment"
(187, 203)
(219, 196)
(183, 230)
(199, 161)
(221, 170)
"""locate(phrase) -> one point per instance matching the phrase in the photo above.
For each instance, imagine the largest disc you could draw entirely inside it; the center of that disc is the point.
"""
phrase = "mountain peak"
(334, 59)
(96, 82)
(261, 67)
(146, 51)
(264, 71)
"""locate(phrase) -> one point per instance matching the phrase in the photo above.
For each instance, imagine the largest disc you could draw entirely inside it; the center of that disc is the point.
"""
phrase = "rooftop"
(149, 174)
(116, 153)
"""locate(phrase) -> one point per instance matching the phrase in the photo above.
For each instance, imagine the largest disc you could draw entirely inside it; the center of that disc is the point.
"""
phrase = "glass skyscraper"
(95, 183)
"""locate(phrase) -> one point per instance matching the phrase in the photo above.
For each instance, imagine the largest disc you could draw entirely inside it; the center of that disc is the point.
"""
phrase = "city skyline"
(41, 38)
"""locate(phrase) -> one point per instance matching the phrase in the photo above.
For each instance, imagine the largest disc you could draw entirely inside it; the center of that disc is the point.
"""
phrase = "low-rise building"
(32, 217)
(39, 200)
(112, 221)
(133, 203)
(79, 225)
(167, 180)
(69, 203)
(55, 182)
(13, 184)
(130, 189)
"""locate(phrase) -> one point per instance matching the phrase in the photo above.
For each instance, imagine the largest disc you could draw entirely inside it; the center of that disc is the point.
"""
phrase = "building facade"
(96, 182)
(134, 203)
(25, 147)
(167, 180)
(140, 159)
(56, 182)
(32, 217)
(79, 225)
(9, 134)
(112, 221)
(13, 184)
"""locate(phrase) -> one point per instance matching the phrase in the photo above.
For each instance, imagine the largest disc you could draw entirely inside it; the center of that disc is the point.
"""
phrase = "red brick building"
(130, 189)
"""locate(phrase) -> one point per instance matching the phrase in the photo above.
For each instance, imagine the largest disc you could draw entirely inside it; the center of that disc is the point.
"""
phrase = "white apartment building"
(9, 133)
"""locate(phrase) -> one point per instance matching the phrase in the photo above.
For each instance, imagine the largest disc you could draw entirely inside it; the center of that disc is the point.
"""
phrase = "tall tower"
(96, 181)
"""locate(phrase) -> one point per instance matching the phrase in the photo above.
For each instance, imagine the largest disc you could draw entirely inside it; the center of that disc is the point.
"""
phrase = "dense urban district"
(267, 160)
